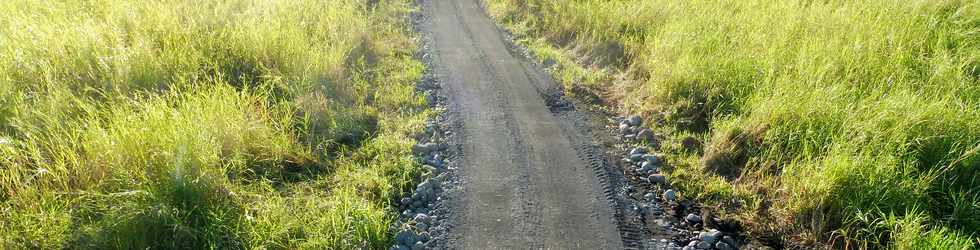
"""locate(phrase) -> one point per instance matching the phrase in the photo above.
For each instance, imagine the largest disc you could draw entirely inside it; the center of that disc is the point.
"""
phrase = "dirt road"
(528, 177)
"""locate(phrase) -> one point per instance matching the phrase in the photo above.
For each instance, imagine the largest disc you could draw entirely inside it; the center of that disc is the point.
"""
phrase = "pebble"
(649, 196)
(406, 237)
(693, 218)
(636, 158)
(418, 246)
(430, 97)
(399, 247)
(426, 148)
(652, 158)
(407, 213)
(723, 246)
(638, 150)
(710, 237)
(624, 128)
(647, 166)
(658, 179)
(730, 241)
(406, 201)
(423, 218)
(635, 120)
(422, 226)
(703, 245)
(670, 195)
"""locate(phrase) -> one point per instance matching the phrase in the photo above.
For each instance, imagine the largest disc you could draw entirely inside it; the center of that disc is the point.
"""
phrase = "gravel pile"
(423, 220)
(676, 224)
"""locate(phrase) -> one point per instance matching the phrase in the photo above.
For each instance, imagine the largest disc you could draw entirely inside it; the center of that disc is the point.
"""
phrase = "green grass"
(843, 124)
(258, 124)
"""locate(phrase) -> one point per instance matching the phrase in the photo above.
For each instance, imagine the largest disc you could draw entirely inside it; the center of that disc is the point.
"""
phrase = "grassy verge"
(185, 124)
(843, 124)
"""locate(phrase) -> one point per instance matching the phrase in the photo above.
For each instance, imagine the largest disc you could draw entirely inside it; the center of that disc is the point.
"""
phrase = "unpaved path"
(528, 177)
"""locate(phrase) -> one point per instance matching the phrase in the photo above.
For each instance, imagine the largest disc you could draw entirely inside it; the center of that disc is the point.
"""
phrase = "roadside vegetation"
(840, 124)
(258, 124)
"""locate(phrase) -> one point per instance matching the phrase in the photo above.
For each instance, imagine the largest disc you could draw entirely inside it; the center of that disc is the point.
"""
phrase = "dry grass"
(845, 124)
(259, 124)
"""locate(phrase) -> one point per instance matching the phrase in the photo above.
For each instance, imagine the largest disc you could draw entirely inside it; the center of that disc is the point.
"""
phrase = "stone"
(624, 128)
(422, 226)
(425, 148)
(424, 237)
(649, 196)
(423, 218)
(440, 178)
(670, 195)
(407, 213)
(638, 150)
(729, 240)
(399, 247)
(723, 246)
(418, 246)
(636, 158)
(716, 234)
(652, 158)
(647, 166)
(703, 245)
(406, 201)
(635, 120)
(709, 237)
(645, 135)
(687, 248)
(431, 98)
(693, 218)
(658, 179)
(406, 237)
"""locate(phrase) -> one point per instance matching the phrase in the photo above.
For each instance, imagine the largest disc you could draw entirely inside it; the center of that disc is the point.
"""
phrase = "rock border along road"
(530, 175)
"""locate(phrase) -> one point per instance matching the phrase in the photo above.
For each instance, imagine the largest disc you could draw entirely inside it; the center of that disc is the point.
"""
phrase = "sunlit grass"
(204, 124)
(846, 123)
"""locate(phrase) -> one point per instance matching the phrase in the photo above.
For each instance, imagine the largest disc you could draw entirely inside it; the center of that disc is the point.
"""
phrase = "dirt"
(530, 173)
(531, 168)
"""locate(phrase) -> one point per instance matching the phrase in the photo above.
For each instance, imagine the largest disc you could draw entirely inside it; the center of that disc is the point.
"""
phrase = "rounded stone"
(635, 120)
(670, 195)
(422, 218)
(703, 245)
(730, 241)
(638, 150)
(418, 246)
(708, 237)
(693, 218)
(406, 237)
(723, 246)
(658, 179)
(636, 158)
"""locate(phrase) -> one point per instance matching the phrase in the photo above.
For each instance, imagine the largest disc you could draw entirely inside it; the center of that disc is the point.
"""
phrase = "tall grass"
(204, 124)
(835, 123)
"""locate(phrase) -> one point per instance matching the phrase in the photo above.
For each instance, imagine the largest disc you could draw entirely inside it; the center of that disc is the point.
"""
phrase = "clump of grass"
(219, 124)
(836, 123)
